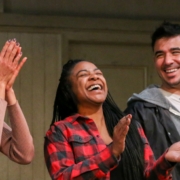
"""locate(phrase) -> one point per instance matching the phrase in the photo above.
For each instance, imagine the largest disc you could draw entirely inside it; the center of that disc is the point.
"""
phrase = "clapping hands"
(119, 135)
(10, 63)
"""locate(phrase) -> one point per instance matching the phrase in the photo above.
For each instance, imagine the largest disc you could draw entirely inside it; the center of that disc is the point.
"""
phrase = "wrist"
(10, 97)
(2, 85)
(9, 91)
(2, 90)
(115, 153)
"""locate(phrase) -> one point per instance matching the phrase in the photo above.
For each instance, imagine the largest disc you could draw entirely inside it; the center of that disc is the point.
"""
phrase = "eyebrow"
(175, 48)
(85, 70)
(157, 52)
(172, 49)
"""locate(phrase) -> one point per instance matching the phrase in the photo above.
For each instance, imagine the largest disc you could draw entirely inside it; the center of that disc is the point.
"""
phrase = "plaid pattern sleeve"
(73, 150)
(154, 169)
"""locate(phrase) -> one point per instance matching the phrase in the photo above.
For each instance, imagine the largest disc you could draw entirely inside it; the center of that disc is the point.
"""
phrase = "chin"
(173, 84)
(98, 102)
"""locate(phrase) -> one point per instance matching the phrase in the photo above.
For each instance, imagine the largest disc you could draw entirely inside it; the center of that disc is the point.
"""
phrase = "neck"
(173, 90)
(94, 113)
(97, 115)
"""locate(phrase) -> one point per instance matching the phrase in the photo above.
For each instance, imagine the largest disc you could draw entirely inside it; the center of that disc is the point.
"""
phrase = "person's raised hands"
(119, 135)
(10, 63)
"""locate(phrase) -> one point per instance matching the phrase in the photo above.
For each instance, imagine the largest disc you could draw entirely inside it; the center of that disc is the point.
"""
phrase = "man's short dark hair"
(166, 29)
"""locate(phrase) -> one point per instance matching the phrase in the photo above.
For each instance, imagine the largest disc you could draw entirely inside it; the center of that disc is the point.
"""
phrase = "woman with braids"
(90, 137)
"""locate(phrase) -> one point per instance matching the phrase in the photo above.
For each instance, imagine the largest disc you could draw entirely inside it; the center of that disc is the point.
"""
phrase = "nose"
(168, 59)
(93, 76)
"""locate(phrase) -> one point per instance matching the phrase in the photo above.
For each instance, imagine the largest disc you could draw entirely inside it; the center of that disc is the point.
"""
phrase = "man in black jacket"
(157, 108)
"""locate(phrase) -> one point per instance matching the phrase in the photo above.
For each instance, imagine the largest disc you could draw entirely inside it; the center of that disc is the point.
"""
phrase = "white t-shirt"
(172, 98)
(175, 100)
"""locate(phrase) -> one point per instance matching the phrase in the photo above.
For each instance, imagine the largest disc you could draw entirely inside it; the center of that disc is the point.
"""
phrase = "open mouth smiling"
(95, 87)
(171, 70)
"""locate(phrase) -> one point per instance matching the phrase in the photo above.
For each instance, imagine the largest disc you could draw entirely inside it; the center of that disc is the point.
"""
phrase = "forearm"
(3, 105)
(18, 143)
(159, 169)
(153, 169)
(2, 90)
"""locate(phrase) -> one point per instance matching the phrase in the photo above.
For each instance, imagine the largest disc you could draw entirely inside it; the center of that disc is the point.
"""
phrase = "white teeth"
(97, 86)
(171, 70)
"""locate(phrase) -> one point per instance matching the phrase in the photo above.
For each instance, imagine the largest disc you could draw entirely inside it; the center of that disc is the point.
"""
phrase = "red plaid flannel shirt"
(73, 149)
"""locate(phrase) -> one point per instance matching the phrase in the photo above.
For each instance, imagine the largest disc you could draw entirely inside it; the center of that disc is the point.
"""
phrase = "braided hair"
(132, 163)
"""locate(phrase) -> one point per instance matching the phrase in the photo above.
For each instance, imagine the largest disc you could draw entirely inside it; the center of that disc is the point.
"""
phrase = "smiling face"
(167, 62)
(88, 84)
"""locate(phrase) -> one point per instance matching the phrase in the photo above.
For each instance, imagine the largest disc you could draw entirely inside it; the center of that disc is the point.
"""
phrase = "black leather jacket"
(158, 127)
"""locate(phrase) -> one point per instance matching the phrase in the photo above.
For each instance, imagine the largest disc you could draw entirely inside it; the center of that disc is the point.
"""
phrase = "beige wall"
(120, 47)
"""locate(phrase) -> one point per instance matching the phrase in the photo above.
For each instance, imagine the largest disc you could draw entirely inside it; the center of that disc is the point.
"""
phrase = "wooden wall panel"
(123, 81)
(26, 80)
(52, 69)
(38, 97)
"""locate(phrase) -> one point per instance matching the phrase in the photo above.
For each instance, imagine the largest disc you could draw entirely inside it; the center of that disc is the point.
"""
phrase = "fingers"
(173, 153)
(10, 51)
(123, 126)
(124, 123)
(4, 49)
(119, 135)
(15, 59)
(13, 52)
(11, 81)
(10, 63)
(21, 64)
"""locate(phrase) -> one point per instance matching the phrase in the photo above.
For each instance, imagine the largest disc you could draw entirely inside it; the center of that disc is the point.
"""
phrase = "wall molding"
(42, 23)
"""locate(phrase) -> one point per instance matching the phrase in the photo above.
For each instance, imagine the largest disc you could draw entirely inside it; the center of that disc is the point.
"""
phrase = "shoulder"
(66, 127)
(61, 125)
(147, 95)
(137, 106)
(142, 111)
